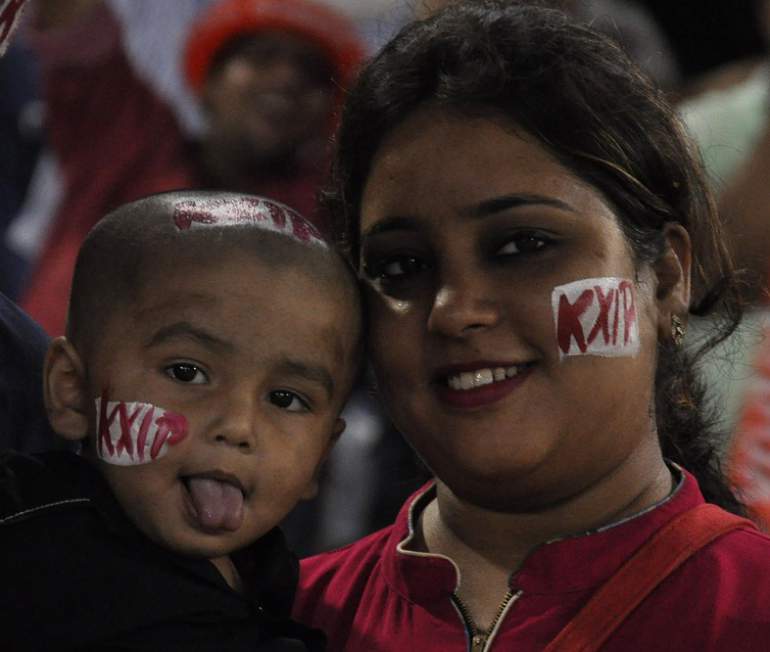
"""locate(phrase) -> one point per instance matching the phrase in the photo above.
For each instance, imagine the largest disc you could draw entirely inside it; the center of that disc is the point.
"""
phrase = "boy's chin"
(190, 539)
(201, 546)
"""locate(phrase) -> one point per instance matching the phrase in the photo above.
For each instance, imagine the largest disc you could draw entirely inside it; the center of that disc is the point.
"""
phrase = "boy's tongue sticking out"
(218, 504)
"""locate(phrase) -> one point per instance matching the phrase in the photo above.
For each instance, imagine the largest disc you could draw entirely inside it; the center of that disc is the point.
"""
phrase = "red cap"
(227, 19)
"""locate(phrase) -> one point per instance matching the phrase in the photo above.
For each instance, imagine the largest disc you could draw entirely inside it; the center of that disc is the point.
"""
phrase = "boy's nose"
(238, 425)
(243, 441)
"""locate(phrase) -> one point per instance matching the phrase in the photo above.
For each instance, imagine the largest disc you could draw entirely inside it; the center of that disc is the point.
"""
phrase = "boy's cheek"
(132, 433)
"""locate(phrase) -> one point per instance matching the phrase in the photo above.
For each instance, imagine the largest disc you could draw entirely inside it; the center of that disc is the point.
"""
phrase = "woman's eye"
(396, 267)
(288, 401)
(186, 372)
(523, 243)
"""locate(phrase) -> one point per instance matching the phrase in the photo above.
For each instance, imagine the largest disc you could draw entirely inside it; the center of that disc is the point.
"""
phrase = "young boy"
(212, 340)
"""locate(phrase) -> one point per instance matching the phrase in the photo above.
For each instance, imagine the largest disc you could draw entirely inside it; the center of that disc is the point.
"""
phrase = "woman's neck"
(451, 523)
(487, 546)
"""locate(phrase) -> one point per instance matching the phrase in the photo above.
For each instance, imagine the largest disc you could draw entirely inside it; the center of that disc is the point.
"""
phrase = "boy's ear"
(64, 390)
(672, 271)
(311, 491)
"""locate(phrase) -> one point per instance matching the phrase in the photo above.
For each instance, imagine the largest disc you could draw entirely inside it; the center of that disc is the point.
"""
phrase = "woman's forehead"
(444, 162)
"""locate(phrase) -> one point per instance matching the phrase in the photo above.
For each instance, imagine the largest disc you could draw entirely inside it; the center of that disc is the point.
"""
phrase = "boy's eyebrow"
(184, 329)
(312, 372)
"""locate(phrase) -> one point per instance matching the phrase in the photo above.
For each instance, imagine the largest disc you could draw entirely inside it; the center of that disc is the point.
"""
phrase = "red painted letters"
(596, 317)
(245, 210)
(569, 325)
(125, 430)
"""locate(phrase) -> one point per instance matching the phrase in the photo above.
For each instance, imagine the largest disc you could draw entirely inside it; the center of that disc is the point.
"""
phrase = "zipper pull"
(478, 642)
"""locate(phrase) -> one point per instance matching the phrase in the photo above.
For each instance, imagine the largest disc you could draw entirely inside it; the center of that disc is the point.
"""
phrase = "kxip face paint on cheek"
(596, 316)
(135, 433)
(268, 215)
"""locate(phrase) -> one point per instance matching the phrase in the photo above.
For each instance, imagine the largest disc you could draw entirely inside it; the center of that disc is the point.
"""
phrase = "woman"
(526, 215)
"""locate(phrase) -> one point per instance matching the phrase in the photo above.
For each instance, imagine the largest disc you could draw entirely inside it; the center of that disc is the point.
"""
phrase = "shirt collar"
(567, 564)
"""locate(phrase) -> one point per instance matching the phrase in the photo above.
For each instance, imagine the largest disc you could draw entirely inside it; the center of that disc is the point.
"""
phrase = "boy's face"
(258, 362)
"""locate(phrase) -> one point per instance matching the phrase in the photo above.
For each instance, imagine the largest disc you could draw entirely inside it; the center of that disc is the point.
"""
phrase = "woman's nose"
(461, 308)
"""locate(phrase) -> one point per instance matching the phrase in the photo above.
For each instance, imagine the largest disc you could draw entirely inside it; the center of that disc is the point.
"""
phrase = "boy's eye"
(523, 243)
(186, 372)
(288, 401)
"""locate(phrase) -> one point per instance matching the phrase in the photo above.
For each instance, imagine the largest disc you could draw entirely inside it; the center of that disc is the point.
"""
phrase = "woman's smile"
(477, 384)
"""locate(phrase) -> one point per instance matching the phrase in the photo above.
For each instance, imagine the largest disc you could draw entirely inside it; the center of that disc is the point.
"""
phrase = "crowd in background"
(103, 101)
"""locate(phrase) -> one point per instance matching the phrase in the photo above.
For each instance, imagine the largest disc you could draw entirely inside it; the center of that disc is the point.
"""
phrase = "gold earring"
(677, 331)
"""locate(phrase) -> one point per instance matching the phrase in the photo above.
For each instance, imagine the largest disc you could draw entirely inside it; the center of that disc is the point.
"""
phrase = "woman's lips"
(478, 384)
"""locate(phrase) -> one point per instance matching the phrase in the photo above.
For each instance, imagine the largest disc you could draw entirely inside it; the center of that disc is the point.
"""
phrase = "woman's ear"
(64, 390)
(672, 271)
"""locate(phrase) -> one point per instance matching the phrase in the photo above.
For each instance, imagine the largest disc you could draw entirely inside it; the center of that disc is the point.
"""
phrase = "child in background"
(212, 341)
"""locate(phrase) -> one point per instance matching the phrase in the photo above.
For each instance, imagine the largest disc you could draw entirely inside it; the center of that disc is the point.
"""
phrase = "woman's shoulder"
(334, 585)
(737, 560)
(356, 560)
(733, 578)
(717, 600)
(742, 551)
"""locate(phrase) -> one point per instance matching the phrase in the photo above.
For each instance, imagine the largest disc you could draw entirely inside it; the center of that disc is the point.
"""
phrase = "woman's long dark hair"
(580, 96)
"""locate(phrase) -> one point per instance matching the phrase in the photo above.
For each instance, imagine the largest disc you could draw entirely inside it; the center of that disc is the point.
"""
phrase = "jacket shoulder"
(32, 485)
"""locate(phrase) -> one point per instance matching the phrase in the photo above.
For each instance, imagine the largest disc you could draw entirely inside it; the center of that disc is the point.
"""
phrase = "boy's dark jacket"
(77, 574)
(23, 422)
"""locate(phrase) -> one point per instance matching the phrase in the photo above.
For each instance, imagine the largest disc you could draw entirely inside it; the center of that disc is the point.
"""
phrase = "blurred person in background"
(268, 74)
(112, 137)
(730, 120)
(706, 34)
(22, 342)
(20, 136)
(626, 21)
(18, 147)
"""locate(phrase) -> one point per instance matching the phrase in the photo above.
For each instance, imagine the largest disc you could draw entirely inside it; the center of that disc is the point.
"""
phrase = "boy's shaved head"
(141, 240)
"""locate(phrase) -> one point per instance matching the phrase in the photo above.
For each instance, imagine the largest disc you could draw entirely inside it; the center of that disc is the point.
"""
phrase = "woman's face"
(466, 229)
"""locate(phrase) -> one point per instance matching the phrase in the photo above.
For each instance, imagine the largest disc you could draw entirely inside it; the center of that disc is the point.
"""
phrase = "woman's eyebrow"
(505, 202)
(391, 224)
(484, 208)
